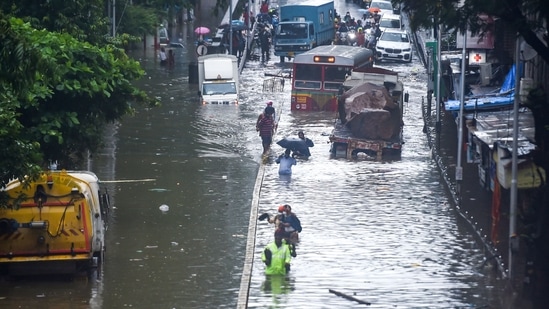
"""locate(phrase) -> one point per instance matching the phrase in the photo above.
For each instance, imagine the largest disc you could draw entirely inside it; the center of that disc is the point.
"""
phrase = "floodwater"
(382, 232)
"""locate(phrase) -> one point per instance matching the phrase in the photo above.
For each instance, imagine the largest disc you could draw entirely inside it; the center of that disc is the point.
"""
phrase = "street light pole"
(513, 238)
(439, 44)
(231, 27)
(459, 169)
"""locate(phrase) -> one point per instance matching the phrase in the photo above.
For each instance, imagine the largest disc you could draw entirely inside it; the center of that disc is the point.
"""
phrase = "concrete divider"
(250, 242)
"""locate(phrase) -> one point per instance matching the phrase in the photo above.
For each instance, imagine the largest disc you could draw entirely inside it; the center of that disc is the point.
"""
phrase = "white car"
(394, 44)
(386, 7)
(390, 21)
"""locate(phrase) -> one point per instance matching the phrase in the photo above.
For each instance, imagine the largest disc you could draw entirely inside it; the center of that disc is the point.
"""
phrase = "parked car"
(163, 38)
(394, 44)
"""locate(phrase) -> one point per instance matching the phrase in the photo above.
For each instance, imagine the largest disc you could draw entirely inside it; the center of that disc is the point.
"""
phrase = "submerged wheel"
(95, 267)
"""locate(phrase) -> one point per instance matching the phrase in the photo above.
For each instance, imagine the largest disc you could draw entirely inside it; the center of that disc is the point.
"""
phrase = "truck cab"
(303, 27)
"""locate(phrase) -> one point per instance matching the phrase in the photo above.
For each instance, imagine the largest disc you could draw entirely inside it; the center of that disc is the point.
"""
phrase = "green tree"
(83, 19)
(57, 93)
(136, 21)
(526, 17)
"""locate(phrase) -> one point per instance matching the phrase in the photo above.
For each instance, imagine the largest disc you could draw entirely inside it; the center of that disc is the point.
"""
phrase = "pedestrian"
(241, 44)
(292, 225)
(268, 109)
(304, 151)
(265, 126)
(285, 162)
(236, 44)
(171, 58)
(162, 56)
(276, 256)
(246, 16)
(265, 42)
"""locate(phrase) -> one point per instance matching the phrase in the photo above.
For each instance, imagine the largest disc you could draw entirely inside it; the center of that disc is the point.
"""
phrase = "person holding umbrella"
(285, 162)
(304, 151)
(201, 32)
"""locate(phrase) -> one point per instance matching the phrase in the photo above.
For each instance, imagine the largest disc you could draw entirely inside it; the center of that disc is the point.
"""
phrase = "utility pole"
(231, 27)
(459, 168)
(513, 238)
(439, 45)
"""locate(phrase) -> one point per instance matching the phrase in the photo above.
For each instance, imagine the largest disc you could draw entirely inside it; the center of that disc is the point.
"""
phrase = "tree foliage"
(56, 95)
(83, 19)
(528, 18)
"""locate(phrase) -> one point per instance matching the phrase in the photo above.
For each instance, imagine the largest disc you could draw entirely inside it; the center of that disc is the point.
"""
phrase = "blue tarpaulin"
(509, 82)
(505, 97)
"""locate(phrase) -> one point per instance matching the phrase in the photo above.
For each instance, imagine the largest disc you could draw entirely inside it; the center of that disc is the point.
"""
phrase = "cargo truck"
(304, 26)
(370, 110)
(218, 79)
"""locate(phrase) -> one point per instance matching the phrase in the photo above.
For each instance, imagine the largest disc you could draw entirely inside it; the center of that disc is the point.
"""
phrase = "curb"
(246, 278)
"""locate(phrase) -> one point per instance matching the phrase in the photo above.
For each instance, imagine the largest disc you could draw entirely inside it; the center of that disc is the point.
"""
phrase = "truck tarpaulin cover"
(370, 112)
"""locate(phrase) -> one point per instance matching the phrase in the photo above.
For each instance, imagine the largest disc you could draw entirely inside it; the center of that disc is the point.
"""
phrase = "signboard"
(201, 50)
(480, 41)
(477, 57)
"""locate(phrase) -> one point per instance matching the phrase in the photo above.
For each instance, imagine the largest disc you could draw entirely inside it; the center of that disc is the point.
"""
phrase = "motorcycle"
(351, 38)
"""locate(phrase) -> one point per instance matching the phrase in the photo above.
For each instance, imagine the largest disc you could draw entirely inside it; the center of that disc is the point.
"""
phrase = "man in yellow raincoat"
(276, 256)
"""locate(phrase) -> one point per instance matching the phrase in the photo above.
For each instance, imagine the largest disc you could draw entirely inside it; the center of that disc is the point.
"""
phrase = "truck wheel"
(281, 59)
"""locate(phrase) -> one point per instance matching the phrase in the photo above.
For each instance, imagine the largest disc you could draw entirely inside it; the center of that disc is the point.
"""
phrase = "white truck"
(218, 79)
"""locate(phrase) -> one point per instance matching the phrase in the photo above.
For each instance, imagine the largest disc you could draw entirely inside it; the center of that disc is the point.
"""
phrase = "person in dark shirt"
(304, 151)
(265, 42)
(265, 126)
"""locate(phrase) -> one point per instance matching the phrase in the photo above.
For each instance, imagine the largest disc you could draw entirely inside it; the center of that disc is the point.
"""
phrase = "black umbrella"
(295, 144)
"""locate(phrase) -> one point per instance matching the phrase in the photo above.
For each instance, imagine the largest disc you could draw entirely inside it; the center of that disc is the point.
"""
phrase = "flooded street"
(383, 232)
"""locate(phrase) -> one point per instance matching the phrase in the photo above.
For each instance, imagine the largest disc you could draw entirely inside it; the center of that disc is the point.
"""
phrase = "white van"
(390, 21)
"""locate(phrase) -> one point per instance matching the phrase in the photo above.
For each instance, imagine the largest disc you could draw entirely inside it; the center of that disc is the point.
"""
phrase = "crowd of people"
(362, 32)
(277, 255)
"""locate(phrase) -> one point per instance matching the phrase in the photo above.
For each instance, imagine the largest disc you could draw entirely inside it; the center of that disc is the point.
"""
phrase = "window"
(308, 76)
(308, 72)
(334, 76)
(292, 31)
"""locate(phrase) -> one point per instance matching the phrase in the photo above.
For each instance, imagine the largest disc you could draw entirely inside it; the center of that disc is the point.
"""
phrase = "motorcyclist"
(360, 37)
(347, 17)
(343, 27)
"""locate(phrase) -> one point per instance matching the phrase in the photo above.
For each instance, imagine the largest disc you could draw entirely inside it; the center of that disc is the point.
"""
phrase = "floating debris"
(164, 208)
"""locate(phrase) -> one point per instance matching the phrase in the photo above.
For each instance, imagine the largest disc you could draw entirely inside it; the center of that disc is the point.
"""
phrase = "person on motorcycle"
(343, 27)
(337, 39)
(360, 37)
(352, 23)
(341, 34)
(347, 17)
